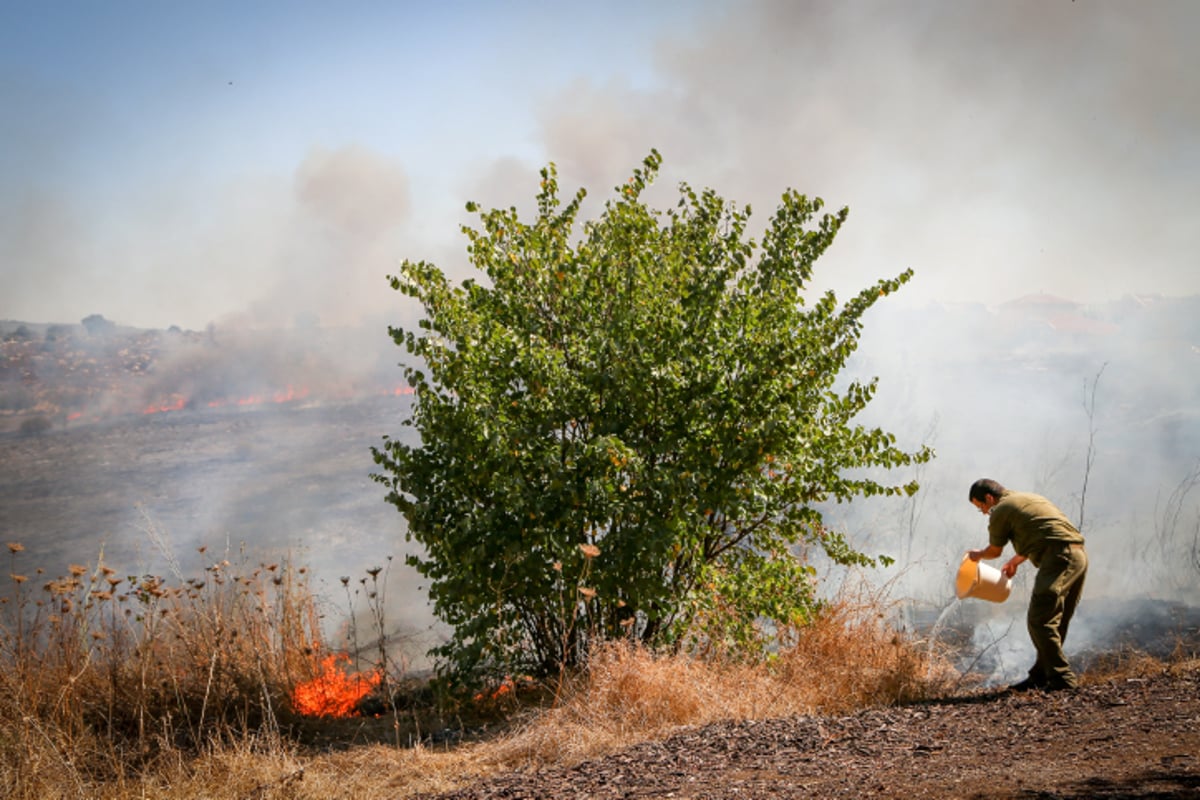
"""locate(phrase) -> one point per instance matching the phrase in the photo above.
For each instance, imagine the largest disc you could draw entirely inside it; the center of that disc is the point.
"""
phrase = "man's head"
(985, 493)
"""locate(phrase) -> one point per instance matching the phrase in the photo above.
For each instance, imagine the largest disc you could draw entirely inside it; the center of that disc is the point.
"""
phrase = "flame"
(333, 693)
(290, 395)
(177, 403)
(507, 686)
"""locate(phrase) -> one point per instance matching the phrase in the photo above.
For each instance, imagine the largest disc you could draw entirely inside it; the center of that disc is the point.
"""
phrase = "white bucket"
(976, 579)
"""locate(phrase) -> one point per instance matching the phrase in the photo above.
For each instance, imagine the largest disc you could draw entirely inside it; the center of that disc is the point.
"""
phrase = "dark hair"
(981, 488)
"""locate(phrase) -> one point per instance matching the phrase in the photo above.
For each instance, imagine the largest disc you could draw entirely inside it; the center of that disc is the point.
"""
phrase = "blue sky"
(241, 163)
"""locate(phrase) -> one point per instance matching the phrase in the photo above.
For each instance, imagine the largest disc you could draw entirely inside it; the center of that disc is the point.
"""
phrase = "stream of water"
(941, 623)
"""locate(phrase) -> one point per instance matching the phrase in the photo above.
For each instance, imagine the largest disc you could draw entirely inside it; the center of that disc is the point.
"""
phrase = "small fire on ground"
(334, 693)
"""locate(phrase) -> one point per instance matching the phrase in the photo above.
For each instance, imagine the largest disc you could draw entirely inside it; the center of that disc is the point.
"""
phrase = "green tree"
(626, 429)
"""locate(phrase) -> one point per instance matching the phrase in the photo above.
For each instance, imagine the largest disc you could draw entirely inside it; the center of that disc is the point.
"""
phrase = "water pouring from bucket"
(976, 579)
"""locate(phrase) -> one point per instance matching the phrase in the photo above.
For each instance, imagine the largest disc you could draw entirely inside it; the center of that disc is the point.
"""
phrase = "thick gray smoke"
(999, 149)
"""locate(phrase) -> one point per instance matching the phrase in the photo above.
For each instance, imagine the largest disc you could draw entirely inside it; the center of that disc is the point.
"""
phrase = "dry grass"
(131, 687)
(846, 659)
(105, 676)
(1130, 663)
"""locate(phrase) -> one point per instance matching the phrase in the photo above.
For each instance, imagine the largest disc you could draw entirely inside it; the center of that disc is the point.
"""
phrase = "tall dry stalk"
(98, 668)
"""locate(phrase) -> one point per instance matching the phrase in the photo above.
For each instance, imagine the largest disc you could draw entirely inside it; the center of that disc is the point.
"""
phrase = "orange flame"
(333, 693)
(507, 686)
(176, 403)
(288, 396)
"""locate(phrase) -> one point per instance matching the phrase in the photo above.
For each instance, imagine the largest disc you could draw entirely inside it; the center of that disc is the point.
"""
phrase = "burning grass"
(334, 693)
(128, 686)
(122, 686)
(105, 677)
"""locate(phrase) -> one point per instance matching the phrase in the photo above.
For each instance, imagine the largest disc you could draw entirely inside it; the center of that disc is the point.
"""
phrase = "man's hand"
(1009, 570)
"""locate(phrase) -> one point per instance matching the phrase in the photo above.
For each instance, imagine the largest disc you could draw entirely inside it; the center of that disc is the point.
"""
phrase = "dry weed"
(1122, 664)
(136, 686)
(847, 658)
(104, 676)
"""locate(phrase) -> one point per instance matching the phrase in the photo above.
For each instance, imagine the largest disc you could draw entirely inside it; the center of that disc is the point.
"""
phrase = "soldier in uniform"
(1040, 533)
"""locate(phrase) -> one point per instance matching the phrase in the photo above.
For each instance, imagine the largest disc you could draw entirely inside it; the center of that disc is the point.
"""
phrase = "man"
(1040, 533)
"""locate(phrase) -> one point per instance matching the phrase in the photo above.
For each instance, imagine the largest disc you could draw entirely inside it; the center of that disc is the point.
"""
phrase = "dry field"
(131, 689)
(120, 688)
(183, 661)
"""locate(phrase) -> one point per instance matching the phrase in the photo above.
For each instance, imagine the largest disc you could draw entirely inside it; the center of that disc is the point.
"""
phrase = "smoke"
(342, 238)
(996, 149)
(1102, 418)
(264, 251)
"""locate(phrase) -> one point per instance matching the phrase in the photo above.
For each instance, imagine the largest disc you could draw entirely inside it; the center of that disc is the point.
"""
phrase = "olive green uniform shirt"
(1031, 523)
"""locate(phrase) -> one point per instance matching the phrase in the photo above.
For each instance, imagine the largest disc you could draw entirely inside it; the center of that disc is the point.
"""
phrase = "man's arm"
(991, 551)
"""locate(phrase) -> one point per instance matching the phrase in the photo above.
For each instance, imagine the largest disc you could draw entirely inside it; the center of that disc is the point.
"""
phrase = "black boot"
(1035, 681)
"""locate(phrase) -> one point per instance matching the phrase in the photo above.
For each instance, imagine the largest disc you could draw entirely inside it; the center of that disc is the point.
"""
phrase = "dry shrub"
(847, 658)
(1122, 664)
(850, 658)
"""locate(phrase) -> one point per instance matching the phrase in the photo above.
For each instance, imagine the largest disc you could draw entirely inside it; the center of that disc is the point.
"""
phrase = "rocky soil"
(1127, 737)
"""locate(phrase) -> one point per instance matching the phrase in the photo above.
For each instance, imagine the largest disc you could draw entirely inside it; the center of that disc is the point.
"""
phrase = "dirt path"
(1126, 738)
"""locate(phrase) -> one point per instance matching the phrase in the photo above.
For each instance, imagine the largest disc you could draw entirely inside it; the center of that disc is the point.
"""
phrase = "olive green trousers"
(1056, 592)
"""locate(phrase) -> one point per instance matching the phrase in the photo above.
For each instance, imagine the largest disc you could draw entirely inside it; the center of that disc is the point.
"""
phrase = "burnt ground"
(261, 483)
(279, 477)
(1126, 737)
